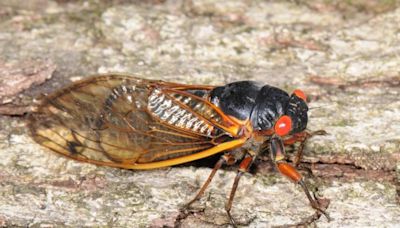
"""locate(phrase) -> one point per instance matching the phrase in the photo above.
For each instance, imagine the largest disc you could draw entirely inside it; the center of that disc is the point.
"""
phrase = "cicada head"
(297, 111)
(277, 110)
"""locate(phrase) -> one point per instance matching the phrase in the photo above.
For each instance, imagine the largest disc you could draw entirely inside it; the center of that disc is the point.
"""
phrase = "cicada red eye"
(300, 94)
(283, 125)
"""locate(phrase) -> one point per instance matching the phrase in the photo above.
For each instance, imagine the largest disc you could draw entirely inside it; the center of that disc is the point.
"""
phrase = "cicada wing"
(122, 121)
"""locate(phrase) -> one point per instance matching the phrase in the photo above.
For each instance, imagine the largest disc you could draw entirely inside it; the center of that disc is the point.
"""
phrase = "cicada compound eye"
(283, 125)
(300, 94)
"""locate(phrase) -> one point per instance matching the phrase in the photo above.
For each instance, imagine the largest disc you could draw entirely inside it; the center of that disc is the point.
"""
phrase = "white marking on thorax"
(168, 111)
(138, 105)
(129, 97)
(124, 89)
(115, 91)
(114, 96)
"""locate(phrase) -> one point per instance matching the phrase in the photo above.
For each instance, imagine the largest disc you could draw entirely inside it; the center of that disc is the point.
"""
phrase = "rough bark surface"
(343, 54)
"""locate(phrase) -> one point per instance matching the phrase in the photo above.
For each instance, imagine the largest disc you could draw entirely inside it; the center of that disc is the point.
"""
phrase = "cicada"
(133, 123)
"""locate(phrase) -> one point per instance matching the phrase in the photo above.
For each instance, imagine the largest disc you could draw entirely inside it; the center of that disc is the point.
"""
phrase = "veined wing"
(133, 123)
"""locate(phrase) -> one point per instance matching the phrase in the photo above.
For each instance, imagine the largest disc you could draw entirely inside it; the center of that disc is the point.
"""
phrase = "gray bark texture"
(344, 54)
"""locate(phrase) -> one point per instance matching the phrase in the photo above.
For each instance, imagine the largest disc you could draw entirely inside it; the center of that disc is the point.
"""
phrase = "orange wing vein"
(127, 122)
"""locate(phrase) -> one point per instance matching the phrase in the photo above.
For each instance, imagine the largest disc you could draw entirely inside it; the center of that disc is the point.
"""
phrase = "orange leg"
(225, 159)
(229, 160)
(243, 167)
(290, 172)
(301, 137)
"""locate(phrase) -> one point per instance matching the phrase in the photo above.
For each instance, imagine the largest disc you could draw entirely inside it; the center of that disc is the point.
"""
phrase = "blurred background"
(343, 54)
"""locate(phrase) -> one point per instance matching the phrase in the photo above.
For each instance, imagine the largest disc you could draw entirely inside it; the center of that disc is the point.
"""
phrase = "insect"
(132, 123)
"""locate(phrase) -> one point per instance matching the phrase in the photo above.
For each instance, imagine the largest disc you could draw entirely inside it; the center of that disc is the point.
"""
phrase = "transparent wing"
(128, 122)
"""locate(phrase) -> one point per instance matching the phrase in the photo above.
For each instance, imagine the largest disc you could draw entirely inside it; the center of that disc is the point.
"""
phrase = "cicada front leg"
(278, 157)
(301, 137)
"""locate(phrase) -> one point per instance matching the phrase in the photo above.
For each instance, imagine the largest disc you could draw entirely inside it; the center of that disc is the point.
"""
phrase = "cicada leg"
(243, 167)
(225, 159)
(301, 137)
(229, 160)
(278, 156)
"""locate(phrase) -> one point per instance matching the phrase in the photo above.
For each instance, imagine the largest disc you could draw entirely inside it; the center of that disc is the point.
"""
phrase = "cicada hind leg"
(227, 159)
(244, 167)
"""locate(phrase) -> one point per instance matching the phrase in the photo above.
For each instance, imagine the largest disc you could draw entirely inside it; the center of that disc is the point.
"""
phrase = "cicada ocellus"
(132, 123)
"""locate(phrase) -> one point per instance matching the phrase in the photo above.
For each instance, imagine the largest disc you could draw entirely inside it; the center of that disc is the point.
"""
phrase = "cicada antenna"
(318, 107)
